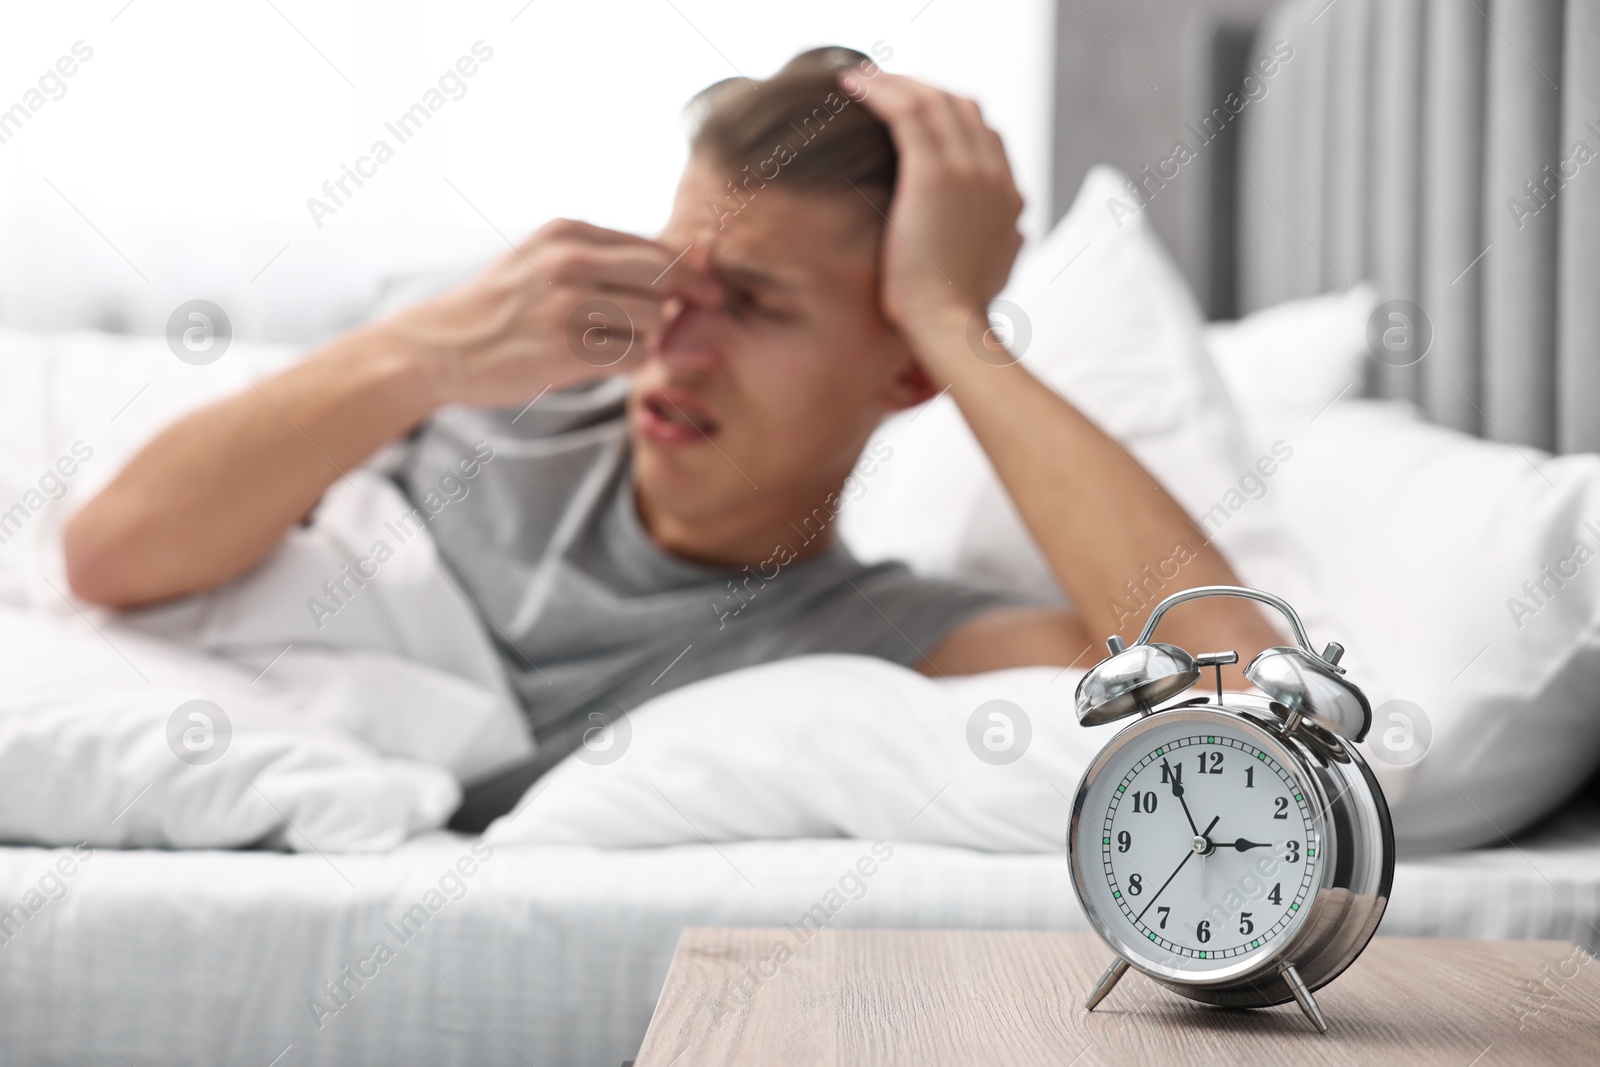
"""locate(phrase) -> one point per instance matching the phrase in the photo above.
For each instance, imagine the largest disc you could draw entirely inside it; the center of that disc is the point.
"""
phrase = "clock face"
(1196, 845)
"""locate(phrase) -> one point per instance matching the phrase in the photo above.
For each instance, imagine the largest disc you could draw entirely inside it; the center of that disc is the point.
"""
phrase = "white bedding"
(334, 734)
(552, 955)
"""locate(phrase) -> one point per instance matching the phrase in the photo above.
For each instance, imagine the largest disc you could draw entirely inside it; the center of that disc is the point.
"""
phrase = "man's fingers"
(969, 116)
(940, 125)
(617, 333)
(643, 269)
(960, 141)
(928, 120)
(891, 97)
(577, 230)
(569, 251)
(904, 106)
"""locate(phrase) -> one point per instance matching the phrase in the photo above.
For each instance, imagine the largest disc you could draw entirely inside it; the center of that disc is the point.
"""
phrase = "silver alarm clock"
(1238, 851)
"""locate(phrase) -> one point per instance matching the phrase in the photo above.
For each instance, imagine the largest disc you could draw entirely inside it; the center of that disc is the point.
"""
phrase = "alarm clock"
(1236, 849)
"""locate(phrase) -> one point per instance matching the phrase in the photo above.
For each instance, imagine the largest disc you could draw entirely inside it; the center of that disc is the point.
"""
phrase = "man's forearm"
(214, 493)
(1096, 514)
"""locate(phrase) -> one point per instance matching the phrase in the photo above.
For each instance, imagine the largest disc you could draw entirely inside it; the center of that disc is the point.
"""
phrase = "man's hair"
(800, 128)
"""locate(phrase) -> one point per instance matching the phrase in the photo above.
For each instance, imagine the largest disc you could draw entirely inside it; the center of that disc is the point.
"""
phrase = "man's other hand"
(953, 222)
(573, 302)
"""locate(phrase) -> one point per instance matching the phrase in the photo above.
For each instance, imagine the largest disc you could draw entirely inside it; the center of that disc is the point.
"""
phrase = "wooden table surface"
(1016, 997)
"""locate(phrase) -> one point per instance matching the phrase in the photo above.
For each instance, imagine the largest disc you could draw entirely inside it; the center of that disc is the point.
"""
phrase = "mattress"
(544, 955)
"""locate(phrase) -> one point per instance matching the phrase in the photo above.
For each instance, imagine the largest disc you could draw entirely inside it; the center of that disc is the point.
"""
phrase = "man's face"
(766, 402)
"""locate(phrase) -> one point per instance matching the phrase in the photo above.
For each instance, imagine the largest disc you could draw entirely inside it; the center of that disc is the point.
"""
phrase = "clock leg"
(1107, 981)
(1303, 997)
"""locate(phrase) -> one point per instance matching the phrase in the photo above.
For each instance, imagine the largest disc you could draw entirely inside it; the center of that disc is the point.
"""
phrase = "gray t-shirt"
(589, 614)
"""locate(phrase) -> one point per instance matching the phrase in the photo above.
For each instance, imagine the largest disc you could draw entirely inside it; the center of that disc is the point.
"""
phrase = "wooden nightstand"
(1015, 997)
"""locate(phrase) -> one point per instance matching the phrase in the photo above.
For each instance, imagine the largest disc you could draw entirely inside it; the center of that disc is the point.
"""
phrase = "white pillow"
(1114, 329)
(1424, 538)
(1284, 364)
(823, 746)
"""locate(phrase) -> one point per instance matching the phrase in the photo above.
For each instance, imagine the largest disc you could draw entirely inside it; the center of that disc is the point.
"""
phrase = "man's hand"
(546, 315)
(953, 224)
(212, 494)
(1100, 520)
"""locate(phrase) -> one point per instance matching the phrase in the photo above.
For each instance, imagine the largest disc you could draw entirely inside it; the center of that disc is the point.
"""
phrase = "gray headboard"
(1448, 151)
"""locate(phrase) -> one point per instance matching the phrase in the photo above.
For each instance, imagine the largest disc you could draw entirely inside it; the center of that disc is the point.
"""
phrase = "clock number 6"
(1202, 932)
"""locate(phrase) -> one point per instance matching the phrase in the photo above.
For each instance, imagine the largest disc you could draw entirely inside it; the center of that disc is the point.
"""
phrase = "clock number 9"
(1124, 841)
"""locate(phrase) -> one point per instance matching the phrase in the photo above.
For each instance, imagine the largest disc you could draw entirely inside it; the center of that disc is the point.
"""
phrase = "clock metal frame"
(1312, 734)
(1355, 849)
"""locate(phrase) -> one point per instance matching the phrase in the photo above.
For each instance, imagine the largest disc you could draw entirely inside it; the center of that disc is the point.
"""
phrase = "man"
(673, 422)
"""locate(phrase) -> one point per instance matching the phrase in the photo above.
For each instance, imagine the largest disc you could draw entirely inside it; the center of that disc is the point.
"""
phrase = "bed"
(555, 955)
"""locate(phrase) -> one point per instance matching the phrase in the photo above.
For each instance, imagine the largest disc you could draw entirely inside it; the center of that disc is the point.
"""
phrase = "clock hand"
(1243, 846)
(1174, 873)
(1170, 877)
(1177, 791)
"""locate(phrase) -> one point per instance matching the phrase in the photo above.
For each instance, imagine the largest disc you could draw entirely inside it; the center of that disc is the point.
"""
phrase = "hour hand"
(1176, 774)
(1244, 846)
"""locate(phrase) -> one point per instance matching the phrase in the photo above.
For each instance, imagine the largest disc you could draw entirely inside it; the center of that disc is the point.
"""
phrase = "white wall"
(179, 160)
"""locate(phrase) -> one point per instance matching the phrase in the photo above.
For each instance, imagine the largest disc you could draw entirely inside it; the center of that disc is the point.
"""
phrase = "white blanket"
(347, 731)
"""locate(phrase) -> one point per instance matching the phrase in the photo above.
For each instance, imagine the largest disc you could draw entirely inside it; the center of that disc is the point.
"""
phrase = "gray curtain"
(1394, 125)
(1345, 211)
(1281, 176)
(1522, 127)
(1428, 146)
(1578, 240)
(1452, 211)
